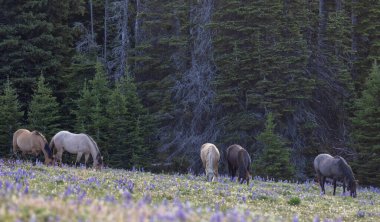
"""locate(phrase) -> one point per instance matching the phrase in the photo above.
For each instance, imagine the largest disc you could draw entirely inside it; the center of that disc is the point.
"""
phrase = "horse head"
(352, 185)
(49, 158)
(99, 160)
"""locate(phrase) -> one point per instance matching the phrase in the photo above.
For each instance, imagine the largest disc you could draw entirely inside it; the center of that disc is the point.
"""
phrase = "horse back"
(232, 154)
(244, 159)
(209, 153)
(327, 165)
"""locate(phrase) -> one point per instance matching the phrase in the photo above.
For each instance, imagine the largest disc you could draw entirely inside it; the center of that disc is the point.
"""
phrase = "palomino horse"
(32, 143)
(336, 168)
(210, 158)
(76, 144)
(239, 159)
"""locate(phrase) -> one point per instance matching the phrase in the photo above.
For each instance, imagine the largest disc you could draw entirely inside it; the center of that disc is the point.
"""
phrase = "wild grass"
(38, 193)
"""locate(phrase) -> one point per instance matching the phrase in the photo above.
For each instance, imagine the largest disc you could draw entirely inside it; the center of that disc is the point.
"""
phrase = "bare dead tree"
(105, 31)
(195, 120)
(117, 63)
(86, 42)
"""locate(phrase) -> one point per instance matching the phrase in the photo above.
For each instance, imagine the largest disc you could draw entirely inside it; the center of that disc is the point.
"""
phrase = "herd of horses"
(237, 158)
(34, 142)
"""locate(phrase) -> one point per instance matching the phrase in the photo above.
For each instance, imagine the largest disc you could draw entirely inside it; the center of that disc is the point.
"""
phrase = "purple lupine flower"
(131, 185)
(127, 196)
(68, 191)
(316, 219)
(360, 213)
(180, 214)
(217, 217)
(26, 190)
(295, 218)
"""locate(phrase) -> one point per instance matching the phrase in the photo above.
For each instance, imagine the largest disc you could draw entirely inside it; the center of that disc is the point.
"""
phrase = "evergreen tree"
(10, 116)
(84, 104)
(140, 127)
(44, 110)
(275, 158)
(36, 36)
(366, 128)
(118, 125)
(91, 116)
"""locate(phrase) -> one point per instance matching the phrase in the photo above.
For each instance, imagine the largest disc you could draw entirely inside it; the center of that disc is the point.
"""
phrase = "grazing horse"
(210, 158)
(76, 144)
(239, 159)
(32, 143)
(336, 168)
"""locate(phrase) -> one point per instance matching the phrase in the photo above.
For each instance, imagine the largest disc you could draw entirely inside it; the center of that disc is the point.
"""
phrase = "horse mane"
(46, 147)
(346, 169)
(40, 134)
(93, 142)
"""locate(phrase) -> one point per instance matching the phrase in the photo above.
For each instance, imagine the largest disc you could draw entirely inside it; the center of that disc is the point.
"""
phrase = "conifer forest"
(151, 81)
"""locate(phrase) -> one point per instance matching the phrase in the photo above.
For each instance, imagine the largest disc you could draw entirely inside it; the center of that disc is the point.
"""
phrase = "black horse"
(239, 159)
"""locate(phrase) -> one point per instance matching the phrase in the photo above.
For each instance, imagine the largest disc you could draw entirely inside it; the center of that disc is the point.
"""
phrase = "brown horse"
(210, 158)
(239, 159)
(76, 144)
(336, 168)
(32, 143)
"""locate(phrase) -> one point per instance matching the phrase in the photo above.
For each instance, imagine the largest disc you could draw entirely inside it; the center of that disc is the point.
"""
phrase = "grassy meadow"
(31, 192)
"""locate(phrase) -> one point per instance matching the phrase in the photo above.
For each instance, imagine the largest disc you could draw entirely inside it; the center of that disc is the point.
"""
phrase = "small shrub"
(294, 201)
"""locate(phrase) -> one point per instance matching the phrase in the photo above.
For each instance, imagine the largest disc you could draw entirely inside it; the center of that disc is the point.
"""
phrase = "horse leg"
(334, 183)
(79, 156)
(59, 156)
(344, 187)
(321, 183)
(230, 170)
(86, 156)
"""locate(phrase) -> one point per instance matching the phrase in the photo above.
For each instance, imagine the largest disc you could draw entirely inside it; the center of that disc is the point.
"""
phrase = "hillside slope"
(36, 192)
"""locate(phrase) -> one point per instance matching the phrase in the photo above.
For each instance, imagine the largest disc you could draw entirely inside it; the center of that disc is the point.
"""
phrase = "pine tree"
(118, 125)
(10, 116)
(366, 128)
(91, 116)
(140, 127)
(44, 110)
(36, 36)
(84, 104)
(275, 158)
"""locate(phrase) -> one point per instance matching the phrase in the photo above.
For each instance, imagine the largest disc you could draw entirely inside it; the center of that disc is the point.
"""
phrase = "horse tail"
(52, 144)
(14, 143)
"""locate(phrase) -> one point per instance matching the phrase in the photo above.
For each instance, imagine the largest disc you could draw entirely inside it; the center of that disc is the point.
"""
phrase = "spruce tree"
(10, 116)
(366, 128)
(91, 116)
(275, 158)
(44, 110)
(118, 125)
(140, 127)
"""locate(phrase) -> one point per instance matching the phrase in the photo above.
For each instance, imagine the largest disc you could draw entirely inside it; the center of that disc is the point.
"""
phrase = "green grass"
(67, 194)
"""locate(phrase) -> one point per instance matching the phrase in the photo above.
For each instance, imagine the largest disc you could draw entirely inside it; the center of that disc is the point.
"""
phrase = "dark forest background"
(151, 81)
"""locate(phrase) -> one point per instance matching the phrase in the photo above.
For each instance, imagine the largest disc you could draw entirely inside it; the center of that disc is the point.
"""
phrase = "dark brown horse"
(336, 168)
(32, 143)
(239, 159)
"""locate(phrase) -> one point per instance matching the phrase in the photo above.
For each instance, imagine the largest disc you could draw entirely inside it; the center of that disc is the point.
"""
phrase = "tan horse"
(76, 144)
(210, 158)
(32, 143)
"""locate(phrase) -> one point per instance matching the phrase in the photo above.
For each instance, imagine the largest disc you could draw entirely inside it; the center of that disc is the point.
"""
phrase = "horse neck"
(347, 171)
(94, 150)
